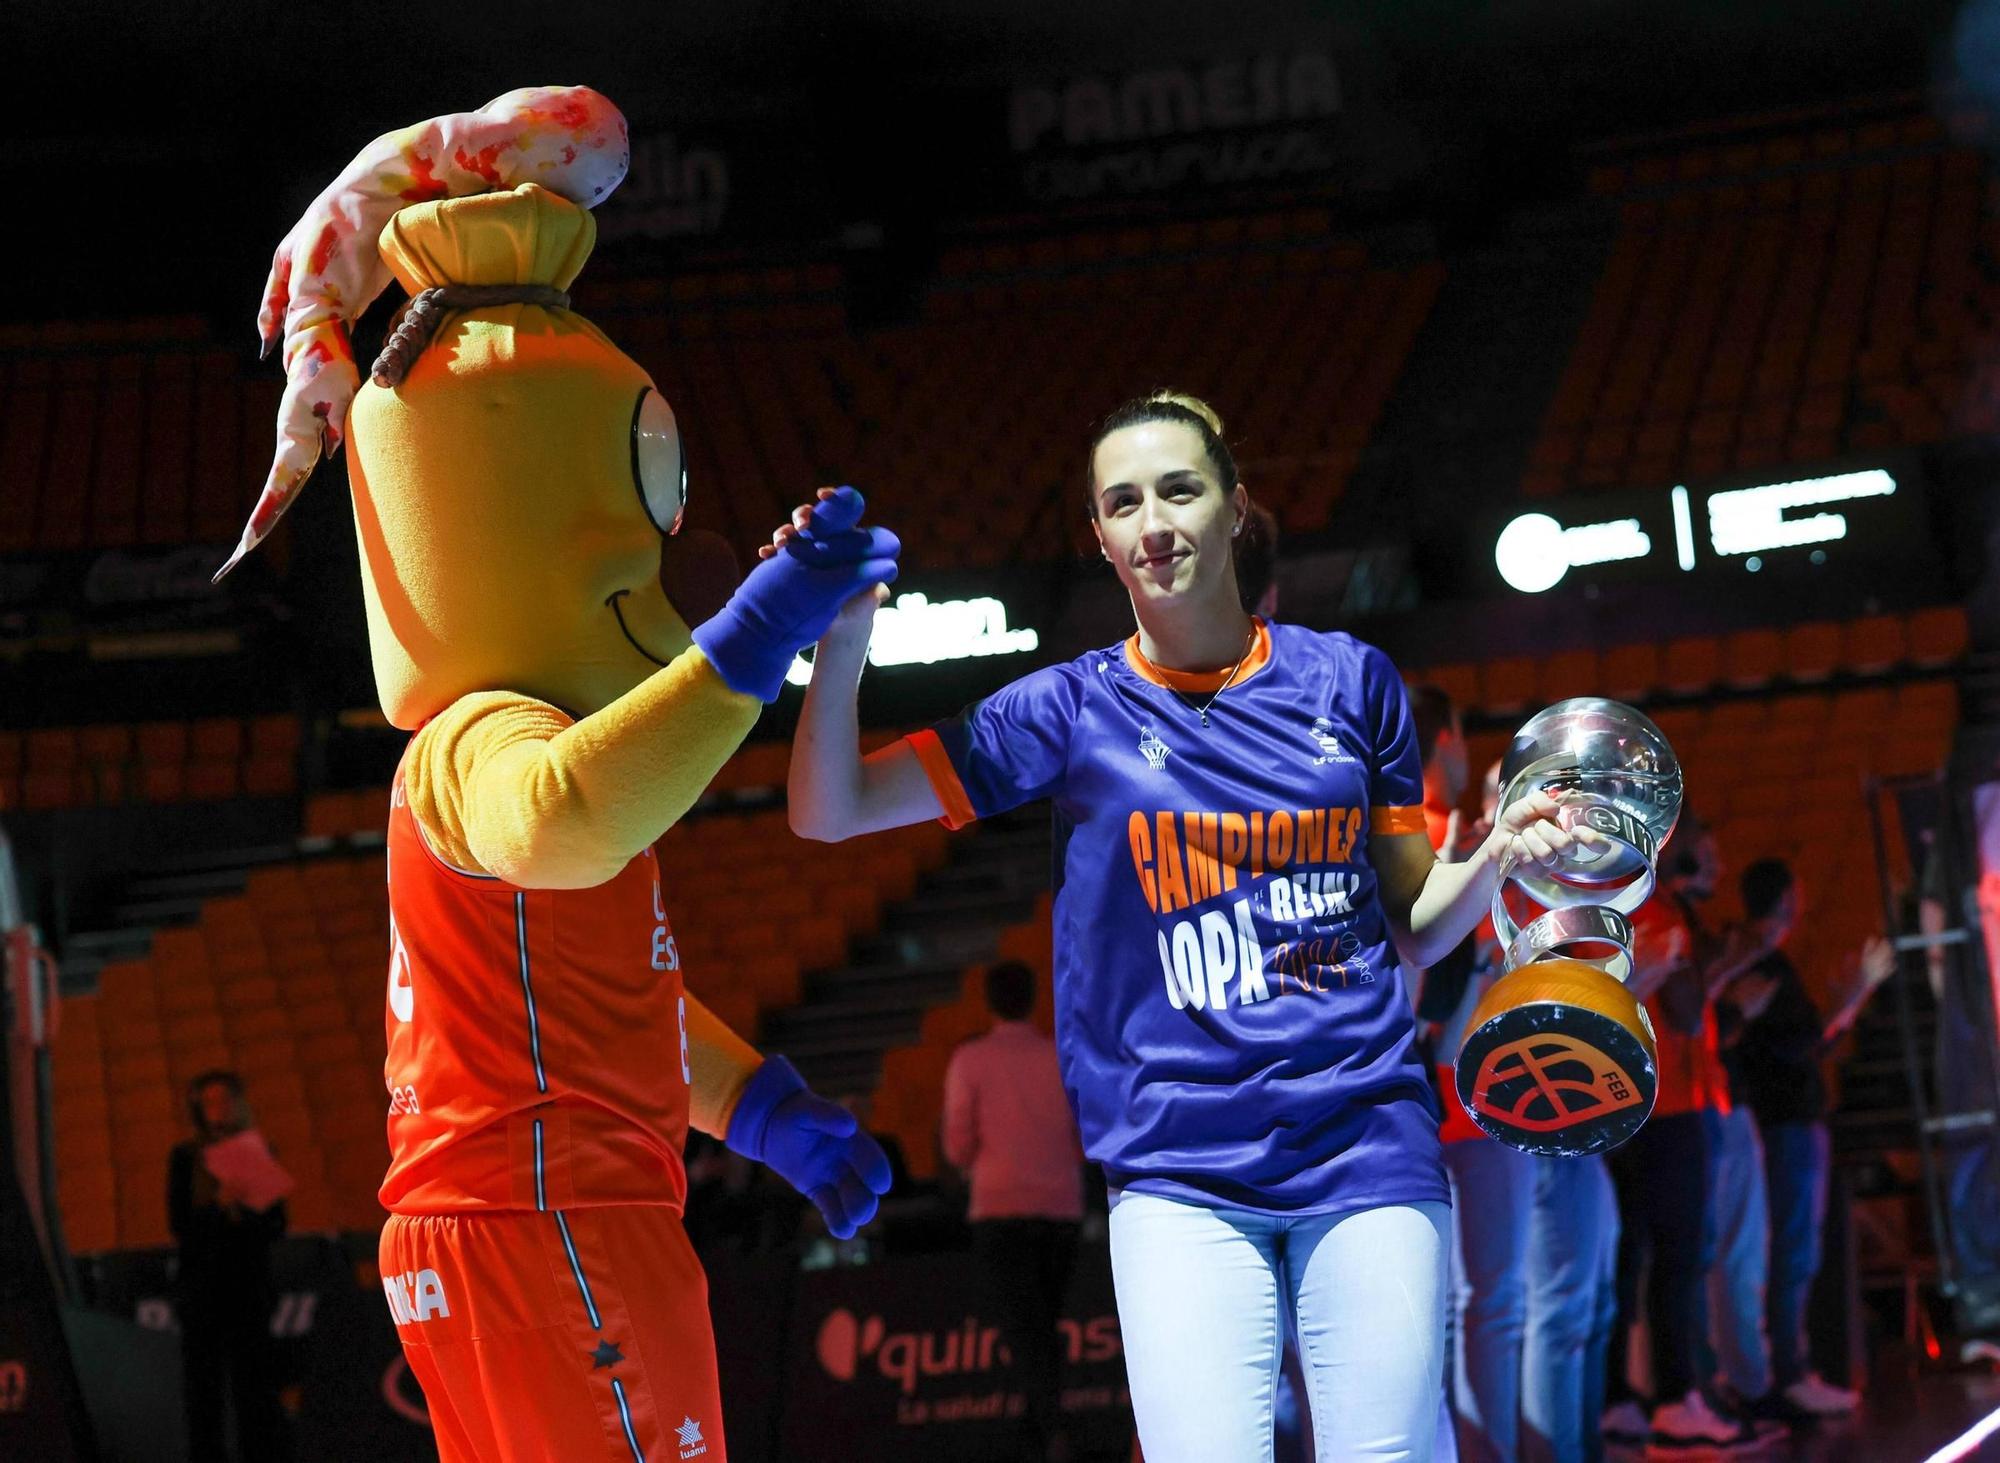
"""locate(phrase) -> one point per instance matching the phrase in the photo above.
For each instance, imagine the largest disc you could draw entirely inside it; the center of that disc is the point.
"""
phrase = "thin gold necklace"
(1248, 641)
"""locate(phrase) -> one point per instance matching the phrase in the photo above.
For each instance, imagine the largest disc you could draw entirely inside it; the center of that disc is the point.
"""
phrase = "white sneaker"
(1691, 1425)
(1624, 1423)
(1813, 1393)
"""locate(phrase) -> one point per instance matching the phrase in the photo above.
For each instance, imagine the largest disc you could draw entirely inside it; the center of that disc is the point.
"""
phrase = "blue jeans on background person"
(1797, 1164)
(1492, 1197)
(1734, 1339)
(1572, 1306)
(1972, 1198)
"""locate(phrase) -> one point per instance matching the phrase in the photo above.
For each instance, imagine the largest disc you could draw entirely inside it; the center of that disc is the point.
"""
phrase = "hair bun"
(1194, 404)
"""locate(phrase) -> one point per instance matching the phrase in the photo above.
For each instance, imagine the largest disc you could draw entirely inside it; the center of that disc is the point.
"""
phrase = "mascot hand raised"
(791, 598)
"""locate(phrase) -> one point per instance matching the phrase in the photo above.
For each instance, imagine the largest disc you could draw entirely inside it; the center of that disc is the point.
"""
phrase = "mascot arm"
(505, 785)
(720, 1064)
(502, 784)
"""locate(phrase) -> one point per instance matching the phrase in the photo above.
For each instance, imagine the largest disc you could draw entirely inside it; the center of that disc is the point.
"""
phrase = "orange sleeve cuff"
(943, 777)
(1397, 820)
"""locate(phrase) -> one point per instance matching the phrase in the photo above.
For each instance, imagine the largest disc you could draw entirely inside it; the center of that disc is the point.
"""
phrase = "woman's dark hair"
(1166, 406)
(1256, 556)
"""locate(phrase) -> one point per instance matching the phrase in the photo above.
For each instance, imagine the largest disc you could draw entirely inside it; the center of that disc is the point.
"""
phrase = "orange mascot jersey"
(544, 1291)
(537, 1039)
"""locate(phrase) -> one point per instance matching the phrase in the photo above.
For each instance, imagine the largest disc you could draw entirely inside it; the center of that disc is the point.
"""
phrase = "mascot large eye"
(659, 470)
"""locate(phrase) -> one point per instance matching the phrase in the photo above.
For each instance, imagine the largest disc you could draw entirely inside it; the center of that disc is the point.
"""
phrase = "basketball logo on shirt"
(1329, 744)
(1153, 749)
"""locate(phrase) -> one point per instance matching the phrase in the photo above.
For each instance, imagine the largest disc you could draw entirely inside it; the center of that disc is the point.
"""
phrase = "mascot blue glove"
(816, 1146)
(789, 600)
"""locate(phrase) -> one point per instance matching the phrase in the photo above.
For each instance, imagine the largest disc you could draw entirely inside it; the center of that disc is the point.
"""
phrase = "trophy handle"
(1589, 933)
(1566, 930)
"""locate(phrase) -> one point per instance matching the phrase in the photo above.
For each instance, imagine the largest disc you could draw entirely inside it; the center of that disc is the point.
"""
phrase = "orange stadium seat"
(1630, 672)
(1812, 651)
(1692, 663)
(1751, 658)
(1874, 644)
(1937, 637)
(1572, 673)
(1507, 685)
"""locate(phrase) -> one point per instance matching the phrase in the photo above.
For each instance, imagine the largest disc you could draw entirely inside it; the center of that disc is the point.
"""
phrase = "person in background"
(1492, 1185)
(1572, 1294)
(223, 1288)
(1663, 1174)
(1775, 1076)
(1965, 991)
(1731, 1347)
(1007, 1124)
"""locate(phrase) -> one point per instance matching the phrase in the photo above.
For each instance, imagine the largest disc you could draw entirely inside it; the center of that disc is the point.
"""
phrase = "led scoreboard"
(1843, 519)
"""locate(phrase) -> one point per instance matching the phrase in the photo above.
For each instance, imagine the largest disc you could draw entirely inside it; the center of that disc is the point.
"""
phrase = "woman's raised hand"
(801, 516)
(1531, 831)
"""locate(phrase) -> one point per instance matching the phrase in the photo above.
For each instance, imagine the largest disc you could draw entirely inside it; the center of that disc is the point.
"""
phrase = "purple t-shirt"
(1230, 1014)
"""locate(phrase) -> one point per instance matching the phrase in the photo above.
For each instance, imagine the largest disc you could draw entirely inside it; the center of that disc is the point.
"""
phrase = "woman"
(1242, 859)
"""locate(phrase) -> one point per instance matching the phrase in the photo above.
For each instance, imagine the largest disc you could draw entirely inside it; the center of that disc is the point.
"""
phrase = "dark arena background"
(1577, 347)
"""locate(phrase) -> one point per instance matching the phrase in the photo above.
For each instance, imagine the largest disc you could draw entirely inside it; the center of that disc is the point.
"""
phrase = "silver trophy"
(1559, 1057)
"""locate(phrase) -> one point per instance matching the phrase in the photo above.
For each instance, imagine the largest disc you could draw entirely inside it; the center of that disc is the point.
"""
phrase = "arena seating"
(149, 762)
(117, 440)
(284, 983)
(988, 396)
(123, 442)
(1815, 295)
(1810, 654)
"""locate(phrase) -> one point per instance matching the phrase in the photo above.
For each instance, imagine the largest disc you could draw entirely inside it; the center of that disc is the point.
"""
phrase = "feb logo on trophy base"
(1559, 1058)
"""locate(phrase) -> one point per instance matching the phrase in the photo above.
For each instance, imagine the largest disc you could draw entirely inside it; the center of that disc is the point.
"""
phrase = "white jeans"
(1202, 1301)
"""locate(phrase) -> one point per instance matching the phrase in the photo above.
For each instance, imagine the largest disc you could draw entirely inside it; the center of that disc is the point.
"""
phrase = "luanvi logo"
(415, 1296)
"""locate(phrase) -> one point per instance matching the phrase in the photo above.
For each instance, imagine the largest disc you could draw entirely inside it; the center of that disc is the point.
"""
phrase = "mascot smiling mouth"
(617, 609)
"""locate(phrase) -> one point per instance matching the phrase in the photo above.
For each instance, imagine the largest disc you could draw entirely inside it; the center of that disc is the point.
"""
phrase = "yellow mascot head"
(512, 491)
(513, 471)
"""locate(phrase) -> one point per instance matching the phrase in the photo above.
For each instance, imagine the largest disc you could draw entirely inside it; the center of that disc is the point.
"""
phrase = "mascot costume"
(515, 477)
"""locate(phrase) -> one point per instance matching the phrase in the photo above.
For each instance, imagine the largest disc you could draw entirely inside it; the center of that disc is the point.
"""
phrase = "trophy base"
(1559, 1060)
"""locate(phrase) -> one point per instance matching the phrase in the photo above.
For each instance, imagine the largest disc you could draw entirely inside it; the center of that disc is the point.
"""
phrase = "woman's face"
(1163, 519)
